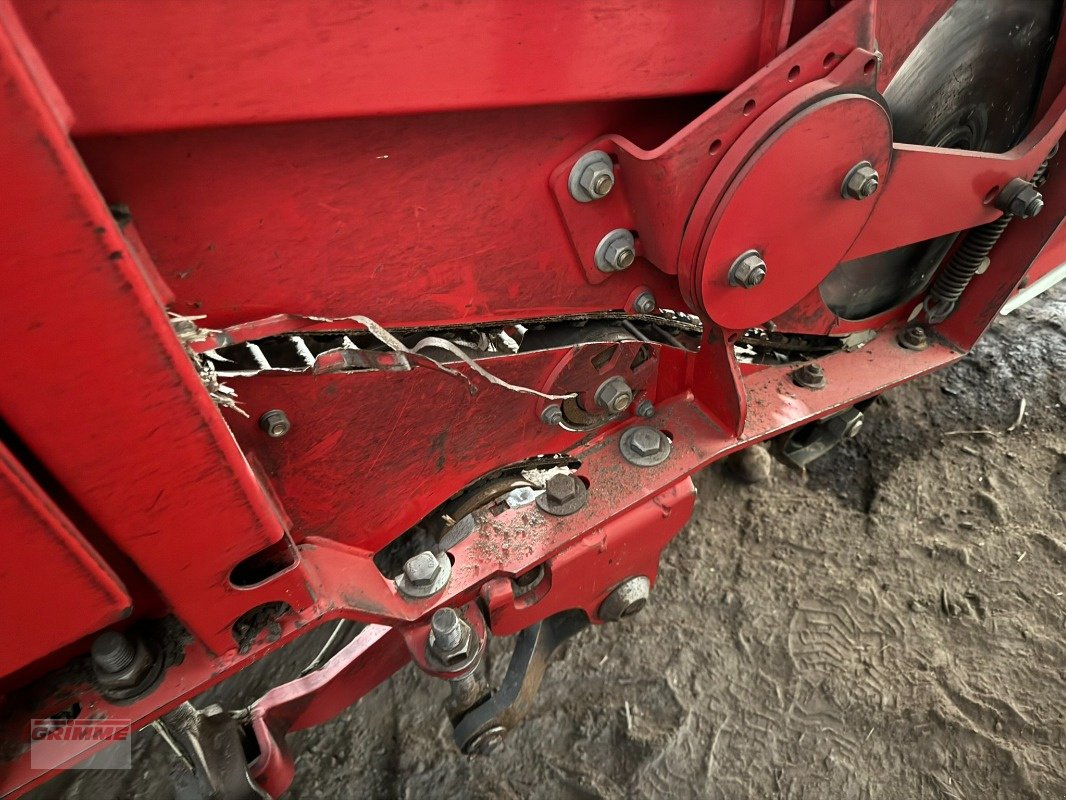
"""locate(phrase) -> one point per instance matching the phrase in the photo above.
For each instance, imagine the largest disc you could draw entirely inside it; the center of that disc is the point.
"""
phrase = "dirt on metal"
(890, 624)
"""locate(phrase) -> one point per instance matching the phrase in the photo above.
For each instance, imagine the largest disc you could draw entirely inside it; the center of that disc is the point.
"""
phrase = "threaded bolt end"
(113, 652)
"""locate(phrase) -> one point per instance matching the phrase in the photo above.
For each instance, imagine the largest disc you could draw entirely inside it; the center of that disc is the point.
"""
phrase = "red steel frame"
(414, 170)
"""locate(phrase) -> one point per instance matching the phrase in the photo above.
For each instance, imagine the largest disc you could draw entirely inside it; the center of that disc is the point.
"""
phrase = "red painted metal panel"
(54, 588)
(245, 61)
(140, 446)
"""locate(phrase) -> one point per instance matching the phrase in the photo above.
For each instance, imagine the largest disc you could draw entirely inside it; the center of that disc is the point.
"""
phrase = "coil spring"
(953, 279)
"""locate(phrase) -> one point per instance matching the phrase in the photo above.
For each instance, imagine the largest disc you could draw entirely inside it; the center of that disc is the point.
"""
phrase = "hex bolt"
(748, 270)
(561, 488)
(112, 652)
(592, 177)
(424, 575)
(626, 599)
(563, 494)
(616, 251)
(1021, 199)
(809, 376)
(645, 408)
(861, 181)
(646, 441)
(552, 415)
(275, 423)
(614, 395)
(644, 446)
(645, 303)
(422, 570)
(913, 337)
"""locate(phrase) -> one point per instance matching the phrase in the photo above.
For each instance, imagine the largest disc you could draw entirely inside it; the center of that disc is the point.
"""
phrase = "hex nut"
(592, 177)
(645, 303)
(123, 666)
(809, 376)
(626, 599)
(614, 395)
(913, 337)
(644, 446)
(748, 270)
(451, 643)
(275, 423)
(616, 251)
(645, 408)
(861, 182)
(424, 575)
(552, 415)
(1021, 199)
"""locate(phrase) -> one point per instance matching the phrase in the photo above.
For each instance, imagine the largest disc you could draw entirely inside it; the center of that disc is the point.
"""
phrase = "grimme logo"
(54, 743)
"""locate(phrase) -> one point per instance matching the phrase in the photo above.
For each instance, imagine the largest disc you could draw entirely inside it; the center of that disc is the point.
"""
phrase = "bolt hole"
(668, 435)
(829, 60)
(265, 564)
(584, 480)
(991, 195)
(869, 66)
(793, 73)
(716, 145)
(749, 107)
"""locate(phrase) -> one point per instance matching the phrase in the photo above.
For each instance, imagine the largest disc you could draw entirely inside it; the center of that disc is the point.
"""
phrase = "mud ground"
(890, 625)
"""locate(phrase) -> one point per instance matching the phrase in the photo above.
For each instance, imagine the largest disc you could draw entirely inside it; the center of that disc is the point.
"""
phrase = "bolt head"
(422, 570)
(645, 303)
(861, 182)
(645, 408)
(646, 441)
(561, 488)
(748, 271)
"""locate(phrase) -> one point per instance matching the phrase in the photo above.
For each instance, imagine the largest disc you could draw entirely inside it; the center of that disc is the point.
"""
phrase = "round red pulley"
(788, 205)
